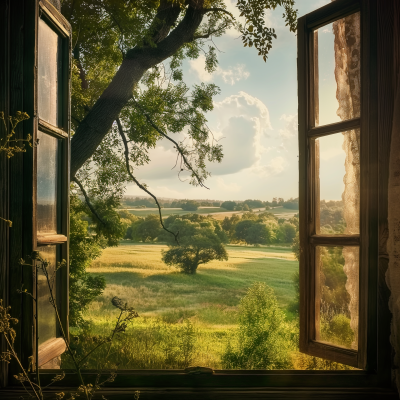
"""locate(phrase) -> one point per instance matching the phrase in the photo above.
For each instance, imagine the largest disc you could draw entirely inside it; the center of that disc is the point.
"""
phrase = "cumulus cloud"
(229, 76)
(242, 121)
(291, 126)
(228, 187)
(276, 166)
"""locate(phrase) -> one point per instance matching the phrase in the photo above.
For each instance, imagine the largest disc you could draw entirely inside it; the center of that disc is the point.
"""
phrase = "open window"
(334, 149)
(52, 178)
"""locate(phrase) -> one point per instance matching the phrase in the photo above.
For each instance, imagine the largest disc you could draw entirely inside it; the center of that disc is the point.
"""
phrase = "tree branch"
(108, 106)
(218, 9)
(89, 204)
(181, 152)
(128, 168)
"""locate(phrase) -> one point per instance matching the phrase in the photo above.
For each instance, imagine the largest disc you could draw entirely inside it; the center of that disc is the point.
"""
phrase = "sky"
(255, 115)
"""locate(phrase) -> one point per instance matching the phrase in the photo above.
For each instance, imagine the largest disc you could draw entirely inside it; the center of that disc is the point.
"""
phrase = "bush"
(263, 339)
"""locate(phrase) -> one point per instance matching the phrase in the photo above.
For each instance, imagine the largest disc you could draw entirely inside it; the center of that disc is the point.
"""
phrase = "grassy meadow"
(184, 319)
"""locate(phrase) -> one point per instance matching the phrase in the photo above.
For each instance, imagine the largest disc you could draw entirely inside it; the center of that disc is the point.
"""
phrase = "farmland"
(216, 212)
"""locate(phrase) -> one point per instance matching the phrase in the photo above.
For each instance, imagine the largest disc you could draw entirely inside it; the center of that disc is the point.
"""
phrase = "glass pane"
(47, 169)
(49, 73)
(337, 70)
(338, 187)
(337, 295)
(47, 326)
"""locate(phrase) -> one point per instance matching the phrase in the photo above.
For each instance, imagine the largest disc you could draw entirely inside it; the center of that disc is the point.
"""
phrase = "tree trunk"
(97, 123)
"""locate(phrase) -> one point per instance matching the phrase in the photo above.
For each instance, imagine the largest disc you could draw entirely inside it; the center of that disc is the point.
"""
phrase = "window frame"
(366, 356)
(54, 348)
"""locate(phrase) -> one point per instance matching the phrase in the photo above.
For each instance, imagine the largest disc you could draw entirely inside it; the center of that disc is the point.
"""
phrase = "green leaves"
(263, 339)
(200, 243)
(254, 31)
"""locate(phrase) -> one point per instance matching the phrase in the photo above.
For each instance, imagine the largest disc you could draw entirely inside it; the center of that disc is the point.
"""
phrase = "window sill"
(232, 394)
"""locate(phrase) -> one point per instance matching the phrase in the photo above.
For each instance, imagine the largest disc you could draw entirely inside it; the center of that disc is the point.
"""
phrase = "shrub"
(263, 339)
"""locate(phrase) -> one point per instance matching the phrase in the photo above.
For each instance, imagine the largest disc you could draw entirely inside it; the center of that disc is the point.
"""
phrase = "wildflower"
(117, 302)
(6, 320)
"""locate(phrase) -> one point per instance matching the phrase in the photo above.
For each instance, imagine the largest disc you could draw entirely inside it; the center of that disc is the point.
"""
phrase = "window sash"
(309, 187)
(53, 19)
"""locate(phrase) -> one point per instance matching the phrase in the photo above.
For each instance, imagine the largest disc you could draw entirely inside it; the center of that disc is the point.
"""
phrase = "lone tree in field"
(199, 244)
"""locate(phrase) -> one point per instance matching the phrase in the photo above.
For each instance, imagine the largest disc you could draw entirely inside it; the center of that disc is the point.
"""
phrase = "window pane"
(337, 295)
(337, 70)
(47, 169)
(338, 183)
(49, 71)
(47, 326)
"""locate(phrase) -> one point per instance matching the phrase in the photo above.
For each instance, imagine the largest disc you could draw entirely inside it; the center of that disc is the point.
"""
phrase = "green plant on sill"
(34, 389)
(10, 145)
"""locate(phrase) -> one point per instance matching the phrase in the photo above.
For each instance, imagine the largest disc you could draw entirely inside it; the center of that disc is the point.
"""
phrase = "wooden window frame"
(366, 356)
(54, 348)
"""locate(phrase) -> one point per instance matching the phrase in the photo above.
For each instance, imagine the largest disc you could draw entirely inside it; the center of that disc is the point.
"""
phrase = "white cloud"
(229, 76)
(241, 122)
(228, 187)
(274, 167)
(291, 127)
(234, 74)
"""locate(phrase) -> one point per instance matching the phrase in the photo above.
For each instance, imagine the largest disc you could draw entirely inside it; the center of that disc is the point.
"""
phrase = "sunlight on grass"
(167, 299)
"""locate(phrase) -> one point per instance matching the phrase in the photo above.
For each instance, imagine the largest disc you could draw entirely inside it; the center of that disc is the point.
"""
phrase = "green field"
(178, 310)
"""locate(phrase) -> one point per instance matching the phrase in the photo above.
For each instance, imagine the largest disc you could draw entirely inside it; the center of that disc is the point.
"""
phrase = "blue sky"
(256, 114)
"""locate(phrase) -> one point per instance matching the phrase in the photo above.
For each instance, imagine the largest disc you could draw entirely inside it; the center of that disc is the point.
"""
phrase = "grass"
(187, 319)
(136, 273)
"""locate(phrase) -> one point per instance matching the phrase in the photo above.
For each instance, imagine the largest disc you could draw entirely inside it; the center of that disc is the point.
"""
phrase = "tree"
(254, 203)
(286, 232)
(198, 245)
(190, 205)
(242, 207)
(296, 246)
(229, 205)
(258, 233)
(149, 229)
(242, 228)
(229, 225)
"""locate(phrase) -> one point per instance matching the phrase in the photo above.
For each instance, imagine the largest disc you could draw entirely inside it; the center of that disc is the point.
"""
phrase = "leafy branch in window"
(10, 145)
(254, 31)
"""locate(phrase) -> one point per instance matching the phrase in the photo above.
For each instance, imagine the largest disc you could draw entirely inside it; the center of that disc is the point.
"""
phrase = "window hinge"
(199, 370)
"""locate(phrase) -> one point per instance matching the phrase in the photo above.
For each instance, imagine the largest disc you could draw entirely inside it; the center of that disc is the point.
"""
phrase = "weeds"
(88, 390)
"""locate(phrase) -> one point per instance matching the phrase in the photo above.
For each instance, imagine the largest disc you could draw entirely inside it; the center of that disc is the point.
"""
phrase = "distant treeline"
(249, 228)
(193, 205)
